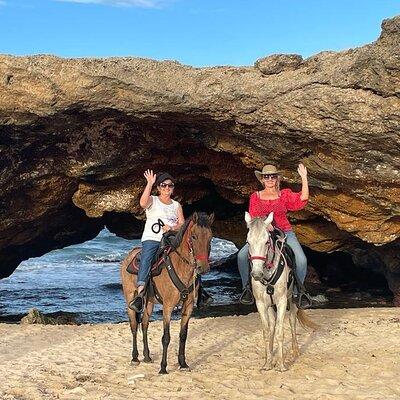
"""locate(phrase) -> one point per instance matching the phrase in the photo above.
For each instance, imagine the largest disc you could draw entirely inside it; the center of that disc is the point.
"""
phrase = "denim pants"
(291, 240)
(149, 251)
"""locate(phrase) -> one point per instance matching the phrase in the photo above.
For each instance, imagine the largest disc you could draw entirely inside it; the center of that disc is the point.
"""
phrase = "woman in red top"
(272, 199)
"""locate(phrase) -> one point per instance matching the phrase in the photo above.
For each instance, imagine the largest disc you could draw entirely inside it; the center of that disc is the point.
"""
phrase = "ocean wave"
(112, 286)
(110, 258)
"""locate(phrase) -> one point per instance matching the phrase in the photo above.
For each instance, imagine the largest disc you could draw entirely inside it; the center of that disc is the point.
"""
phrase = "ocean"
(84, 280)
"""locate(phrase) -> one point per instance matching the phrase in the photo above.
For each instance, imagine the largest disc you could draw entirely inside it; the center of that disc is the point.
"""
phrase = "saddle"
(157, 264)
(304, 300)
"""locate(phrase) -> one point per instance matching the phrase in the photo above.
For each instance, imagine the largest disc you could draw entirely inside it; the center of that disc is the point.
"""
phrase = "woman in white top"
(158, 208)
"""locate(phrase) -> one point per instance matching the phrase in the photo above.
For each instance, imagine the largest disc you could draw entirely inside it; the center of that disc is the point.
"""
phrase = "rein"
(183, 289)
(267, 264)
(199, 257)
(278, 259)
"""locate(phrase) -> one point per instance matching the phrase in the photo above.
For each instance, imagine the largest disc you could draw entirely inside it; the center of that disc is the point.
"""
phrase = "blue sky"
(194, 32)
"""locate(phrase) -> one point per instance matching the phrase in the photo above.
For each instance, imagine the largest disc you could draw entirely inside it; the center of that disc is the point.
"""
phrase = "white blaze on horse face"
(257, 239)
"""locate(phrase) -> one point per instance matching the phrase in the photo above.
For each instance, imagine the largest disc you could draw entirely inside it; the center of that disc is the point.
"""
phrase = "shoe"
(204, 300)
(247, 297)
(302, 300)
(137, 303)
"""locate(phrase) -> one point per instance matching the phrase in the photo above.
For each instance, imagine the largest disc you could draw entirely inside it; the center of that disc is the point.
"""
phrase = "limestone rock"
(278, 63)
(35, 316)
(77, 134)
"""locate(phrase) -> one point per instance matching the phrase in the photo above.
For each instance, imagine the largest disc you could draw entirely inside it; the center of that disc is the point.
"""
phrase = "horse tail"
(305, 321)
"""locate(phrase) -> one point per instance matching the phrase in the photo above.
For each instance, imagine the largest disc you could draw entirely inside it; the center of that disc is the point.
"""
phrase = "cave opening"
(79, 168)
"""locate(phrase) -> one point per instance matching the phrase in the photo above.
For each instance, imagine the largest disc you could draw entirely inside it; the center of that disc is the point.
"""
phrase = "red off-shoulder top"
(287, 201)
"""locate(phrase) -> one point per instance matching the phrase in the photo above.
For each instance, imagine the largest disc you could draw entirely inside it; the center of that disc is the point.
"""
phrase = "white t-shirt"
(168, 213)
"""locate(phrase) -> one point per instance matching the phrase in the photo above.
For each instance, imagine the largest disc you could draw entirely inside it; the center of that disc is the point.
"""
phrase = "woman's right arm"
(146, 199)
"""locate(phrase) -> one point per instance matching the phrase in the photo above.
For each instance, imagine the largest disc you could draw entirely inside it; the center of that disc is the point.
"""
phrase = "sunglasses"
(164, 185)
(270, 176)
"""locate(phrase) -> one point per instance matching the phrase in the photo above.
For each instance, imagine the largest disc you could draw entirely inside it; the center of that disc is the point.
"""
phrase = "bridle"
(195, 257)
(268, 261)
(275, 264)
(183, 289)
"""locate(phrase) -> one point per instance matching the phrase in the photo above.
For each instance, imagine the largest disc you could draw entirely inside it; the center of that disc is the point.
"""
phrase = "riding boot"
(137, 303)
(301, 298)
(247, 297)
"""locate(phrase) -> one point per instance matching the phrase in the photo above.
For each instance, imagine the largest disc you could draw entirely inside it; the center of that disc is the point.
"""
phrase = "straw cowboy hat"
(267, 169)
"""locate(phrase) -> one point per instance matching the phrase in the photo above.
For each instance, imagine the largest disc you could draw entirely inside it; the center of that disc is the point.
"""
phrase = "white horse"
(270, 281)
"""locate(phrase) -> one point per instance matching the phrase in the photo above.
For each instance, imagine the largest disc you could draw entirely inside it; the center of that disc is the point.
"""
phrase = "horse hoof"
(163, 372)
(296, 353)
(148, 360)
(267, 367)
(281, 368)
(185, 368)
(135, 363)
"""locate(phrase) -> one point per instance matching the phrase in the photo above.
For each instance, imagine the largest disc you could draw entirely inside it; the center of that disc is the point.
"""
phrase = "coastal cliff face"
(77, 134)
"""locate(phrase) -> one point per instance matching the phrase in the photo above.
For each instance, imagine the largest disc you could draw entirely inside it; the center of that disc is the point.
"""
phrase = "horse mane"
(202, 221)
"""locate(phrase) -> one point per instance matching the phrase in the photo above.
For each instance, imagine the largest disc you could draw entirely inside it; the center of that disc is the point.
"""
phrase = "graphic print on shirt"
(167, 213)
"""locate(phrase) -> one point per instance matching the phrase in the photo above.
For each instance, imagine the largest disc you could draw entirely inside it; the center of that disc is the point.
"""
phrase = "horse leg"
(280, 317)
(292, 321)
(271, 334)
(167, 310)
(145, 324)
(263, 310)
(186, 313)
(134, 325)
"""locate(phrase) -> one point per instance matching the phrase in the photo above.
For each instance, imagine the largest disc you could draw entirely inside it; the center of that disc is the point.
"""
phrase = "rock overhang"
(77, 134)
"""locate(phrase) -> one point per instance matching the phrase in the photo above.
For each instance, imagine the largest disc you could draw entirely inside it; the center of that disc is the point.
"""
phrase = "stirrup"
(246, 298)
(304, 301)
(204, 300)
(137, 303)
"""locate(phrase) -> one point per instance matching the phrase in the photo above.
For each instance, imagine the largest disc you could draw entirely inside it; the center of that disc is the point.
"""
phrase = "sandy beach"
(355, 355)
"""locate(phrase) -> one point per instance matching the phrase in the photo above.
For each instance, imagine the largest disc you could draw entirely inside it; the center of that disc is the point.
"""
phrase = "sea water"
(84, 279)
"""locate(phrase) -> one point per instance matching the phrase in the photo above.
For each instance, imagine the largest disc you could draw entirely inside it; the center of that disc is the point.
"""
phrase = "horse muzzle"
(257, 275)
(202, 265)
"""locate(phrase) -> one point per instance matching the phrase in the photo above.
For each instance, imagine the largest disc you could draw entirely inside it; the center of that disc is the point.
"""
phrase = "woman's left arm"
(181, 218)
(302, 170)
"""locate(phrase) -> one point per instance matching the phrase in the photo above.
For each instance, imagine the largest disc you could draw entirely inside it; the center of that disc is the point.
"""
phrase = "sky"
(193, 32)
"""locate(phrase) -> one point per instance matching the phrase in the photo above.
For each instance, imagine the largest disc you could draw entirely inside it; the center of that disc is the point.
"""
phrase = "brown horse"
(175, 284)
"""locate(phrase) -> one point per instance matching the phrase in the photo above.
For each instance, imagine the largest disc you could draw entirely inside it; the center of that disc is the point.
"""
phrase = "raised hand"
(150, 177)
(302, 170)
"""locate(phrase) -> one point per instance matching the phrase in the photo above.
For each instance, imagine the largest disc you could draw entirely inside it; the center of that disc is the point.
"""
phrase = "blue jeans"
(149, 251)
(291, 240)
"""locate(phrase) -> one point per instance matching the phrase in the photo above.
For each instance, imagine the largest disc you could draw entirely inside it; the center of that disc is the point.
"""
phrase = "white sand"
(356, 355)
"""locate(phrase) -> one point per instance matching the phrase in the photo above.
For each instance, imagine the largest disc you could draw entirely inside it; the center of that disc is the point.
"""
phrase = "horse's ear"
(269, 219)
(211, 218)
(247, 218)
(195, 217)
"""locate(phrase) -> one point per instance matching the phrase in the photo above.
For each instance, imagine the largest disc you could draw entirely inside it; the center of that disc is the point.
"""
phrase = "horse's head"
(258, 239)
(199, 239)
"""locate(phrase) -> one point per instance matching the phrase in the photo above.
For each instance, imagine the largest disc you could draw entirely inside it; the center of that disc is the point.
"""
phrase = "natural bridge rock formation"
(77, 134)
